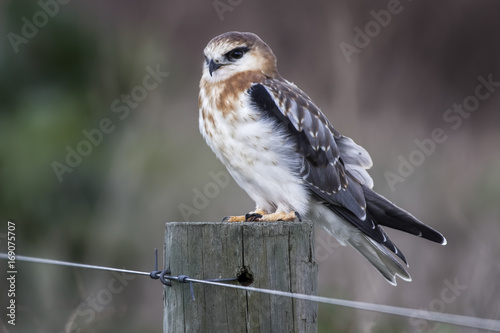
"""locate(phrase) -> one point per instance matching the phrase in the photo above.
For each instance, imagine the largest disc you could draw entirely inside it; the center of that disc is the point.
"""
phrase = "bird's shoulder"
(297, 108)
(293, 103)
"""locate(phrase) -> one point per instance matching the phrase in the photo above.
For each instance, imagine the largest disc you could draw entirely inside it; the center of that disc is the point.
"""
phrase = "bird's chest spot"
(226, 96)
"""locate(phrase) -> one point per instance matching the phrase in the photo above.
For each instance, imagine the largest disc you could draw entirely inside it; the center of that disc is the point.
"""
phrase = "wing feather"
(324, 169)
(334, 166)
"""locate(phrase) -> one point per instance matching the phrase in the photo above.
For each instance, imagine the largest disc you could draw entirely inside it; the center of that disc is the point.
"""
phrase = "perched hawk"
(282, 150)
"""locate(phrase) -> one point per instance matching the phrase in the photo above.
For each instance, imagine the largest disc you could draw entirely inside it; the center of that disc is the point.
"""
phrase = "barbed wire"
(165, 277)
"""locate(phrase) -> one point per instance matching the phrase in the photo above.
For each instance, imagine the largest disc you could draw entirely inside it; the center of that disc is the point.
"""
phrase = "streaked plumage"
(283, 151)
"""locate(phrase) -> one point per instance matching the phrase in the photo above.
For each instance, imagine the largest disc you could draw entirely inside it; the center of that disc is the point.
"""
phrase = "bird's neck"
(224, 95)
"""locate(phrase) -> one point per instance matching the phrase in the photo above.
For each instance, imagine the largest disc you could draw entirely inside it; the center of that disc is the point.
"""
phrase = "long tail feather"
(388, 214)
(380, 257)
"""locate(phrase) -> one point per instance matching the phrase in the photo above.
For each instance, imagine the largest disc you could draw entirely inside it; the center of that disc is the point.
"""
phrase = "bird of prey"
(284, 152)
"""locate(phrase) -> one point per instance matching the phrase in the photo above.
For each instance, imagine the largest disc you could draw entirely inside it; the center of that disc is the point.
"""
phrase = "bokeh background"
(111, 208)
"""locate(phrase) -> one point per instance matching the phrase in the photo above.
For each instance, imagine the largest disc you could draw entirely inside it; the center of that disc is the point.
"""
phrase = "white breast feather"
(259, 157)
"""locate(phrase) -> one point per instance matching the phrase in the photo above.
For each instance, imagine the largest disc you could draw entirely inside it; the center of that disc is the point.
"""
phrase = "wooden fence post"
(275, 255)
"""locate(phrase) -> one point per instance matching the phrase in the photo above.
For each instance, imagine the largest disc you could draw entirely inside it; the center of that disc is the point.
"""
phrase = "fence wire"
(459, 320)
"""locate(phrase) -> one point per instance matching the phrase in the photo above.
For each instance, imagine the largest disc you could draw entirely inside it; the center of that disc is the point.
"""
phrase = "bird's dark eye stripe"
(236, 53)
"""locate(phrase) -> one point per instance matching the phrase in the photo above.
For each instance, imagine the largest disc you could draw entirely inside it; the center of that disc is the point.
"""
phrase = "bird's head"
(236, 52)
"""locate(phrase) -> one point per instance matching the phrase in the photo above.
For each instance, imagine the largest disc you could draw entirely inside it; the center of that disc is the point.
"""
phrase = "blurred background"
(99, 147)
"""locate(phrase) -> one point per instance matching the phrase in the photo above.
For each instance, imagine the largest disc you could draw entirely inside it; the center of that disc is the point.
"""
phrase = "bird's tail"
(380, 257)
(385, 213)
(375, 245)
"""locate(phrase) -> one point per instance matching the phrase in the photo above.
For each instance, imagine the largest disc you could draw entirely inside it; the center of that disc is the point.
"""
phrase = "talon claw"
(252, 217)
(298, 216)
(226, 218)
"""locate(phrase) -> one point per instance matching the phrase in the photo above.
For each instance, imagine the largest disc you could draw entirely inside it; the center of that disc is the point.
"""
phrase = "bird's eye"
(236, 53)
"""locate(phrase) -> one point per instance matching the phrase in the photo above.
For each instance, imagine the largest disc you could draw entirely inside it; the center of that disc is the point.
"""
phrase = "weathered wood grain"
(280, 256)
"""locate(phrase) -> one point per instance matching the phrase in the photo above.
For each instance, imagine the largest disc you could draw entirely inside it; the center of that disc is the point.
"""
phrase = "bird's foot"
(281, 216)
(250, 217)
(240, 218)
(258, 217)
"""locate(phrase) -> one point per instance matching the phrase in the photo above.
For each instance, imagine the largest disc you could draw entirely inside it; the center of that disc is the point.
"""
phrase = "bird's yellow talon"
(240, 218)
(257, 217)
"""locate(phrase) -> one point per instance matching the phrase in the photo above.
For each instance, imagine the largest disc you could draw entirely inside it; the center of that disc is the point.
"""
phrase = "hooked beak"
(212, 67)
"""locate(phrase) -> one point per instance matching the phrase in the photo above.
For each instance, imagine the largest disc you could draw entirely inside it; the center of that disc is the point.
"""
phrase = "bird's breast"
(259, 156)
(239, 137)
